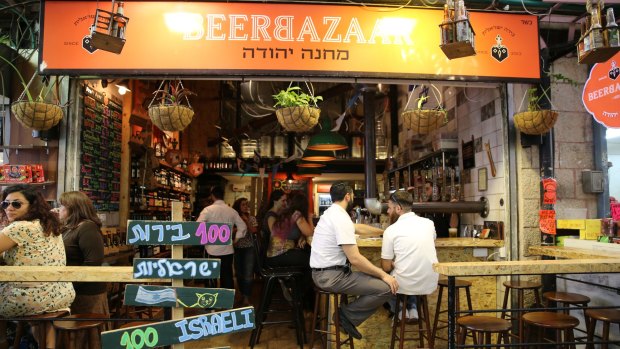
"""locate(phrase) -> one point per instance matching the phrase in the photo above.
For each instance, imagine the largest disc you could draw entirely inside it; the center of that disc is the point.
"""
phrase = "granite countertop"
(570, 252)
(442, 242)
(532, 267)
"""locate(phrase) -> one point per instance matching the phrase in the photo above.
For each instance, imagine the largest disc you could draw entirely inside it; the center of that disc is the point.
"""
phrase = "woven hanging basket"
(423, 121)
(535, 122)
(298, 119)
(37, 115)
(171, 117)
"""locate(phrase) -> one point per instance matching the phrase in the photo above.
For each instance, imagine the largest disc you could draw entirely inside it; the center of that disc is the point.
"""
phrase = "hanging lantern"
(457, 34)
(108, 30)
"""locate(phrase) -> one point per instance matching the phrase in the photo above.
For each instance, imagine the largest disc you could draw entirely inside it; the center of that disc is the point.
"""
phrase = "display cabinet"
(432, 177)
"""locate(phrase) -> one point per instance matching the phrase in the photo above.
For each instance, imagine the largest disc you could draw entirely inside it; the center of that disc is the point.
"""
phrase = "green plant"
(44, 91)
(172, 94)
(294, 97)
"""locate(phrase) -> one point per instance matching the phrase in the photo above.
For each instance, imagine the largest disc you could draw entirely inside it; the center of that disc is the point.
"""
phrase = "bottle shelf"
(598, 55)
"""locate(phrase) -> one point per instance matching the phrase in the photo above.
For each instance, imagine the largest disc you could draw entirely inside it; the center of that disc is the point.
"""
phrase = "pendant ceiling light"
(310, 164)
(327, 139)
(317, 155)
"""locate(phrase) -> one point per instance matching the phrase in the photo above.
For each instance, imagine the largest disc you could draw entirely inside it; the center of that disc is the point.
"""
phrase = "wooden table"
(531, 267)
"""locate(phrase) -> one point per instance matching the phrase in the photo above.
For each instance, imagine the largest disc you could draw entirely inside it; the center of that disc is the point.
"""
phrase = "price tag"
(547, 221)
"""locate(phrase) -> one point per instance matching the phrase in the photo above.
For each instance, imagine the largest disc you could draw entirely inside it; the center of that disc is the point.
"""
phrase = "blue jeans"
(411, 303)
(244, 269)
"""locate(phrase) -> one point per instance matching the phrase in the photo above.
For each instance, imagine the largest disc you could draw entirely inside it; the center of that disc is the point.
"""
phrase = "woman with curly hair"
(31, 237)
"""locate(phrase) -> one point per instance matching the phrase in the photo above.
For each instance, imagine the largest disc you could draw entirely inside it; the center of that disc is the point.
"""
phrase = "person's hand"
(302, 242)
(391, 281)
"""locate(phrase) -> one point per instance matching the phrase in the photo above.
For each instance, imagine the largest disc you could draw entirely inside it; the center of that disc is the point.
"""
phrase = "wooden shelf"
(42, 184)
(598, 55)
(166, 165)
(425, 157)
(27, 146)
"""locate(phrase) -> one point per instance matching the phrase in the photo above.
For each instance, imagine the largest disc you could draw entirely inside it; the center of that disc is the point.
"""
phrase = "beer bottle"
(613, 35)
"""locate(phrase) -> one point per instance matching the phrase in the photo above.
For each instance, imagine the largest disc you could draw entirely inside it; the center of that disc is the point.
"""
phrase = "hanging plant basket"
(39, 116)
(535, 122)
(299, 118)
(171, 117)
(423, 121)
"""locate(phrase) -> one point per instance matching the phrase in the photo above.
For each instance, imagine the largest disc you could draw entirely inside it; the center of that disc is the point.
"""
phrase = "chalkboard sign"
(165, 268)
(180, 331)
(187, 297)
(178, 233)
(100, 170)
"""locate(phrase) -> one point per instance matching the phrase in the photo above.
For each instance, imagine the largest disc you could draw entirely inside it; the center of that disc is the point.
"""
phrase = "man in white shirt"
(408, 250)
(333, 247)
(219, 212)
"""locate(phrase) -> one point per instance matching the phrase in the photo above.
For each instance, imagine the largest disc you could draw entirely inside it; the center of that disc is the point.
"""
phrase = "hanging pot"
(423, 121)
(536, 122)
(298, 119)
(37, 115)
(171, 117)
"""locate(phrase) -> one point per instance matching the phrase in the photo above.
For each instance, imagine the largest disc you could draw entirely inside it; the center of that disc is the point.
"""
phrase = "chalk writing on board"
(178, 233)
(180, 331)
(204, 268)
(188, 297)
(220, 323)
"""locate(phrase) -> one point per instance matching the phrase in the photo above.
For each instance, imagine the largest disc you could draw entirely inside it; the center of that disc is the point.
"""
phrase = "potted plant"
(33, 112)
(171, 110)
(423, 121)
(535, 120)
(296, 110)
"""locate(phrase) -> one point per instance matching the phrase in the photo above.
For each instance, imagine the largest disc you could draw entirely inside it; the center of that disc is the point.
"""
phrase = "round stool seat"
(552, 320)
(484, 323)
(79, 325)
(135, 323)
(457, 283)
(45, 316)
(609, 315)
(566, 297)
(522, 285)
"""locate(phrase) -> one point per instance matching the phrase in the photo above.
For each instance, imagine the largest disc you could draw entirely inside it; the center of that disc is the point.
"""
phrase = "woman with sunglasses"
(31, 237)
(81, 233)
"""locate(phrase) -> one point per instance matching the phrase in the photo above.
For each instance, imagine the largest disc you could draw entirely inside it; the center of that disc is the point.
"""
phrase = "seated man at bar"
(408, 251)
(333, 247)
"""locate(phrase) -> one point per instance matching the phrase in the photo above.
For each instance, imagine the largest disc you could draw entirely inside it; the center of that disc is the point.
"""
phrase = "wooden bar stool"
(459, 284)
(68, 331)
(321, 317)
(41, 321)
(520, 287)
(566, 299)
(482, 327)
(559, 322)
(424, 322)
(608, 316)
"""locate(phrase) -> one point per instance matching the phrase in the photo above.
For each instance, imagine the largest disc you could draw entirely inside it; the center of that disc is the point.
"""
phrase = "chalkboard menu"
(100, 169)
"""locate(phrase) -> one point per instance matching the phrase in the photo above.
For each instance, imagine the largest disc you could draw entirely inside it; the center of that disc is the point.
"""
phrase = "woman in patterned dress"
(31, 237)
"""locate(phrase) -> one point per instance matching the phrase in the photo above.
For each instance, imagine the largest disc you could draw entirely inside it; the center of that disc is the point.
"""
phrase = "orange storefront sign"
(218, 39)
(601, 93)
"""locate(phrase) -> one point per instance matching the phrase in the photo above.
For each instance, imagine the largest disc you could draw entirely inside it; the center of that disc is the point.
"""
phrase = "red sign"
(550, 186)
(601, 93)
(240, 39)
(615, 211)
(547, 221)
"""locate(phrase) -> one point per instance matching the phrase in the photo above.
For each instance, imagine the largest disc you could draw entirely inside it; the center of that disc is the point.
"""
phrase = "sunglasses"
(15, 204)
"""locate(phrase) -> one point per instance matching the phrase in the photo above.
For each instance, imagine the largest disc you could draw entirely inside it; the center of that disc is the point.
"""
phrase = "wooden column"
(177, 253)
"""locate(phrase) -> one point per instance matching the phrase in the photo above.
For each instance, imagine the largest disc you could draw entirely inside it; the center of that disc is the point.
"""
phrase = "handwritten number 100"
(215, 233)
(139, 338)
